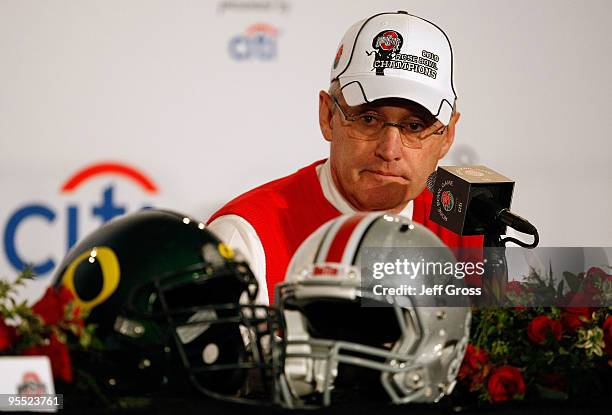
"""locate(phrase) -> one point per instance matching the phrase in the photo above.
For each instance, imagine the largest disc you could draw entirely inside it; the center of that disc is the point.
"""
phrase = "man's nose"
(389, 144)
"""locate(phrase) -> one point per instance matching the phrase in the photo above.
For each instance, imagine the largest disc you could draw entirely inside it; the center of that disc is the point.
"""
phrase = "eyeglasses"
(369, 125)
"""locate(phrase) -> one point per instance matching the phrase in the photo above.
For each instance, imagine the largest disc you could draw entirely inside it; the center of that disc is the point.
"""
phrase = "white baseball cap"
(397, 55)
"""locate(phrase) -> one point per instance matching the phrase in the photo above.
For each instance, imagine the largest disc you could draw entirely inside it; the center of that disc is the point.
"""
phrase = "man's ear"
(325, 115)
(449, 137)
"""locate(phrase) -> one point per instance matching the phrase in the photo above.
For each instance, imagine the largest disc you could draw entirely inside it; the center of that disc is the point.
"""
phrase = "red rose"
(571, 322)
(76, 313)
(506, 383)
(474, 367)
(52, 305)
(594, 275)
(541, 327)
(59, 356)
(580, 299)
(474, 360)
(519, 294)
(573, 317)
(7, 336)
(49, 307)
(65, 295)
(580, 311)
(77, 320)
(515, 287)
(596, 272)
(607, 329)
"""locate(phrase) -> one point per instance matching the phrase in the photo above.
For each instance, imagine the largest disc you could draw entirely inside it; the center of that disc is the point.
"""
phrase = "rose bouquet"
(561, 351)
(53, 326)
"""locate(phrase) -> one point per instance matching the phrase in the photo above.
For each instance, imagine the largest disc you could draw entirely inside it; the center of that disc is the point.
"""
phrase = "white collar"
(334, 197)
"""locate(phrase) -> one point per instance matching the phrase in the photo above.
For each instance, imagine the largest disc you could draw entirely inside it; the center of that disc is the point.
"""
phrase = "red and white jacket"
(268, 223)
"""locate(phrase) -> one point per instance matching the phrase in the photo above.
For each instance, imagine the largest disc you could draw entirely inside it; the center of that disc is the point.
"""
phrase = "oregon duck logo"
(106, 259)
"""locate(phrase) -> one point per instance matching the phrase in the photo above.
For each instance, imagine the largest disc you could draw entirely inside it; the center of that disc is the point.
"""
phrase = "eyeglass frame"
(352, 118)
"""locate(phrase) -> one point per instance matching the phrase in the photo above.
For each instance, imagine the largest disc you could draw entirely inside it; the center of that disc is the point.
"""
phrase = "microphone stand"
(496, 266)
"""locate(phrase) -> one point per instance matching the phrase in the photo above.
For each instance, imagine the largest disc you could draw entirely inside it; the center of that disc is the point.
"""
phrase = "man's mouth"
(385, 175)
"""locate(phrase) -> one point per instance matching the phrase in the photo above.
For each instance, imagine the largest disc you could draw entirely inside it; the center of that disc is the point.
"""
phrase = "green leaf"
(550, 274)
(560, 288)
(572, 280)
(85, 339)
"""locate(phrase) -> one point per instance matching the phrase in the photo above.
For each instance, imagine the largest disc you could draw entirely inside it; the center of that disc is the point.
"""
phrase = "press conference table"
(200, 406)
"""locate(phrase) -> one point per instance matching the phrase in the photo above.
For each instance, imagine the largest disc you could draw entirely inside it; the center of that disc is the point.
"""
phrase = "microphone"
(474, 200)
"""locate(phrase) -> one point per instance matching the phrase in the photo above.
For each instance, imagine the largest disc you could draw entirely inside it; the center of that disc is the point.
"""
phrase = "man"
(389, 116)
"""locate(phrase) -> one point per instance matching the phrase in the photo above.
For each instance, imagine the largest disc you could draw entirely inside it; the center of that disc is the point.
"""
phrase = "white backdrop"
(208, 99)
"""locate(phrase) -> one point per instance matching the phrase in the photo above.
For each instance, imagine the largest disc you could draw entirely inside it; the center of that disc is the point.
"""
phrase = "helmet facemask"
(337, 335)
(219, 334)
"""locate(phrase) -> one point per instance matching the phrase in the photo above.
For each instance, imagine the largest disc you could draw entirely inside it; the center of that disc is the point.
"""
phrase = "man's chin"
(390, 196)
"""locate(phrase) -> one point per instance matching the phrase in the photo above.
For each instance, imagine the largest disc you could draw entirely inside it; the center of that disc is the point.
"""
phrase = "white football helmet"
(413, 345)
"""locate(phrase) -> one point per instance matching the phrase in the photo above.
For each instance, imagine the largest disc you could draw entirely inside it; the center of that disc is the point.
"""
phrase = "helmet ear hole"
(220, 345)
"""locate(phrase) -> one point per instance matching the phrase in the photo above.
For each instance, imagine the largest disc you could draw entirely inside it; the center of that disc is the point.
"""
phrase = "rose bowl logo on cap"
(386, 44)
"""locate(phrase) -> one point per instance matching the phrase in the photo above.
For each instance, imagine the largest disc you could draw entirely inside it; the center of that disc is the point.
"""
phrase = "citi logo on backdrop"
(258, 42)
(88, 198)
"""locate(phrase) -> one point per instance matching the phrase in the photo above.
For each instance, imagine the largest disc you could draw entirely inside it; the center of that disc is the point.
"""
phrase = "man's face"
(381, 174)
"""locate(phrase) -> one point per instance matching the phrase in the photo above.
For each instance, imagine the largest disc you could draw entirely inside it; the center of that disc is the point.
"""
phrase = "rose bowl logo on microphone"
(448, 200)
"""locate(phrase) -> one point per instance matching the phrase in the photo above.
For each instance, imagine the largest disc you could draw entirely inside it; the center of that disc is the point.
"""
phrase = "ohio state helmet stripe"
(319, 255)
(336, 249)
(366, 227)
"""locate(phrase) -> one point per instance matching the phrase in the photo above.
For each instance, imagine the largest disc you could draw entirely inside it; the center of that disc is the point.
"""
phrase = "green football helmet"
(171, 302)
